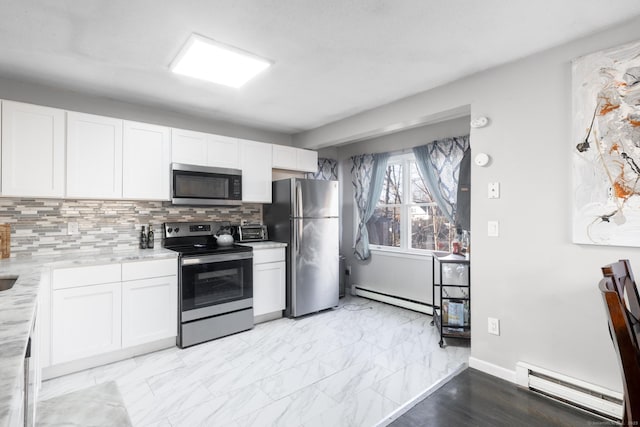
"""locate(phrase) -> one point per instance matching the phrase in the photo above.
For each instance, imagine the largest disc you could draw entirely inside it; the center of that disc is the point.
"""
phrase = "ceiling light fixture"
(208, 60)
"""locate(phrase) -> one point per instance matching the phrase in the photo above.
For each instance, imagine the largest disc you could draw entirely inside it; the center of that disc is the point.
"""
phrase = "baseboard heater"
(580, 394)
(394, 300)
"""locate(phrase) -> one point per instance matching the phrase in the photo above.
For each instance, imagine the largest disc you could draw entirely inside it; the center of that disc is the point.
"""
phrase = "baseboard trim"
(491, 369)
(267, 317)
(390, 299)
(419, 398)
(66, 368)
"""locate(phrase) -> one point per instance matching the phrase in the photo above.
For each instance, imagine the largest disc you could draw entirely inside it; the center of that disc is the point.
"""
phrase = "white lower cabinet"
(86, 321)
(268, 288)
(269, 279)
(138, 305)
(149, 310)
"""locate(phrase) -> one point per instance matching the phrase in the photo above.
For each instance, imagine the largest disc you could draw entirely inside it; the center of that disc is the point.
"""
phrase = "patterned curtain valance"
(327, 170)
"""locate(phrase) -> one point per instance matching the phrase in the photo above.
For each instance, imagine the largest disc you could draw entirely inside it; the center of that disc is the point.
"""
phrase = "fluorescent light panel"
(208, 60)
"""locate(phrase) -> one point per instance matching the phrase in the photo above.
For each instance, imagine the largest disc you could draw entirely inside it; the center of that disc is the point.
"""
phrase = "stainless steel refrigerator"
(304, 214)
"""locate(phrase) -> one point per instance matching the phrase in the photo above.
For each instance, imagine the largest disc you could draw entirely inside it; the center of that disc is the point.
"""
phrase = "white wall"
(408, 277)
(49, 96)
(541, 286)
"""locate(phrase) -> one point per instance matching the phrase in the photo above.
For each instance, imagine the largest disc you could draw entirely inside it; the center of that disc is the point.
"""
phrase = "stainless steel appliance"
(215, 283)
(251, 233)
(30, 381)
(304, 214)
(200, 185)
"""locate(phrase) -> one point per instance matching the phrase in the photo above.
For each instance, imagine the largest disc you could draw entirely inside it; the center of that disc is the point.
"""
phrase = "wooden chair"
(624, 339)
(622, 276)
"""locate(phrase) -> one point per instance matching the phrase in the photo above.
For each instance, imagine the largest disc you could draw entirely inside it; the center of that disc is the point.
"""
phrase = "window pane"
(392, 189)
(419, 192)
(384, 227)
(430, 229)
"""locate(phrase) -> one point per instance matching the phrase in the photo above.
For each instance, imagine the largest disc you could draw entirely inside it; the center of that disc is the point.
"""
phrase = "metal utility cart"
(452, 311)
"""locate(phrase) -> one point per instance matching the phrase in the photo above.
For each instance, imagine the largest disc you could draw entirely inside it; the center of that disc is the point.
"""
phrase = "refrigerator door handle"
(299, 211)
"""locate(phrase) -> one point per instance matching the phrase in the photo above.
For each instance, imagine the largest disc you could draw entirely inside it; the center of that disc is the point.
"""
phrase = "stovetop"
(198, 238)
(207, 249)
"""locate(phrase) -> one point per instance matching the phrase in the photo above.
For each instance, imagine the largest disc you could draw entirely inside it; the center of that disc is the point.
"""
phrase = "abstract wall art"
(606, 147)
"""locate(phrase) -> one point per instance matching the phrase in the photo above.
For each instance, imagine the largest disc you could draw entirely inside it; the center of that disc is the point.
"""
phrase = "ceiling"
(332, 58)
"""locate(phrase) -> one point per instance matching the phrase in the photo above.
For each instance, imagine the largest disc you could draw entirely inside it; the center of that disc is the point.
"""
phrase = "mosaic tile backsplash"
(39, 226)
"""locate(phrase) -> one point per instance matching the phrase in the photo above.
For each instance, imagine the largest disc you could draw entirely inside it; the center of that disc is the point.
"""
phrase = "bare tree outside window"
(406, 216)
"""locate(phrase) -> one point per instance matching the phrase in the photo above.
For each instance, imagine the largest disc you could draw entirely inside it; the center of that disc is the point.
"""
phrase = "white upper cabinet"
(188, 147)
(256, 164)
(284, 157)
(307, 160)
(223, 152)
(296, 159)
(33, 141)
(203, 149)
(146, 159)
(94, 156)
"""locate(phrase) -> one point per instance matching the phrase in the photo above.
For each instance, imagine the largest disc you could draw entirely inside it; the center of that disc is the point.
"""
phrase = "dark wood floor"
(474, 398)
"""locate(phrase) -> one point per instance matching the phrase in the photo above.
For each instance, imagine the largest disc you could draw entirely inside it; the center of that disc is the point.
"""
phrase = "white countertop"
(18, 306)
(264, 245)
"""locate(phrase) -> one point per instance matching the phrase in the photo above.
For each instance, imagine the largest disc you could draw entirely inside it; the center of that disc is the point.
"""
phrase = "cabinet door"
(149, 310)
(32, 150)
(189, 147)
(307, 160)
(146, 160)
(268, 288)
(86, 321)
(94, 156)
(284, 157)
(256, 163)
(223, 152)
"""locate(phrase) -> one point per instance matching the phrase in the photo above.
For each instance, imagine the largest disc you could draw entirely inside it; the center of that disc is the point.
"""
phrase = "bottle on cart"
(150, 238)
(143, 239)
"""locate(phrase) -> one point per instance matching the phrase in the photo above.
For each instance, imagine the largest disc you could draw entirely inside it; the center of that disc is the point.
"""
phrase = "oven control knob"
(169, 230)
(177, 229)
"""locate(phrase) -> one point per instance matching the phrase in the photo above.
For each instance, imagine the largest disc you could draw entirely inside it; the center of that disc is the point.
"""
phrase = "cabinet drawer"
(148, 269)
(261, 256)
(82, 276)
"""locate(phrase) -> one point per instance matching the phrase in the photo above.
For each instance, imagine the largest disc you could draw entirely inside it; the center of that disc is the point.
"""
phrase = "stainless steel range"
(215, 282)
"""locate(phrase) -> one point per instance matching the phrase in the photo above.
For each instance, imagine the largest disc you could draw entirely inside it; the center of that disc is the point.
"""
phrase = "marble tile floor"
(351, 366)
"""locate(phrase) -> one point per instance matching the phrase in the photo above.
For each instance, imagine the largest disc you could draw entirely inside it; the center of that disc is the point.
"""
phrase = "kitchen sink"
(7, 283)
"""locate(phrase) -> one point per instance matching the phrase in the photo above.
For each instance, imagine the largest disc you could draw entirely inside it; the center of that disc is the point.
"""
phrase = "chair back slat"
(620, 297)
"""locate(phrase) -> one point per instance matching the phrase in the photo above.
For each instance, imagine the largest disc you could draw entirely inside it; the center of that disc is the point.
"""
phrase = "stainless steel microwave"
(202, 185)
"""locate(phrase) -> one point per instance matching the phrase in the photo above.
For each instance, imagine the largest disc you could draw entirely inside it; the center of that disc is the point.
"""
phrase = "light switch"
(494, 190)
(493, 229)
(493, 326)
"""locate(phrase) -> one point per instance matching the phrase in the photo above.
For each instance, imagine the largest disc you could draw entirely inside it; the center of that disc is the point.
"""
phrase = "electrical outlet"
(493, 190)
(72, 228)
(493, 326)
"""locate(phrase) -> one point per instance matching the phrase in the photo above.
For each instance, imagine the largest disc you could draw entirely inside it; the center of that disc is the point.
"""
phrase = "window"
(406, 216)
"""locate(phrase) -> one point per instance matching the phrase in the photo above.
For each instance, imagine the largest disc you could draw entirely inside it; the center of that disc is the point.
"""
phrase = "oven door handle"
(216, 258)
